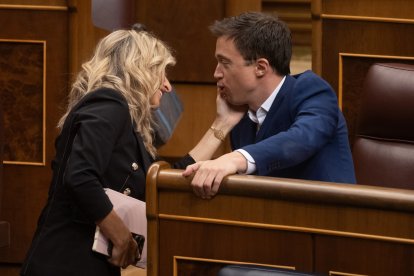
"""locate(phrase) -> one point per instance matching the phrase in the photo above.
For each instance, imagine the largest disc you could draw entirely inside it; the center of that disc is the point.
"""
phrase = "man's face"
(236, 78)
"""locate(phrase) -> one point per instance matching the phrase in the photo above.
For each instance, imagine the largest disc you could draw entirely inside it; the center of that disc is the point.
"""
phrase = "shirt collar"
(259, 116)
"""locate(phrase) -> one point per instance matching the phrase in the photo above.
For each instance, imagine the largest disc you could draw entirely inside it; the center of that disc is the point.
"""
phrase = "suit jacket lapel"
(268, 123)
(143, 153)
(248, 131)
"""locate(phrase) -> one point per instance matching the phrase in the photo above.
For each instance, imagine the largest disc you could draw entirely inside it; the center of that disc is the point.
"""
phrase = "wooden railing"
(328, 228)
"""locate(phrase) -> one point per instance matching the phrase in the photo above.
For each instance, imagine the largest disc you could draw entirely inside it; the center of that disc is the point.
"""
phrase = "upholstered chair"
(383, 148)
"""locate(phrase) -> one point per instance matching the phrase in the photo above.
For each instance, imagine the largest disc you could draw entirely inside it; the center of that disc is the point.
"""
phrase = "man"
(293, 127)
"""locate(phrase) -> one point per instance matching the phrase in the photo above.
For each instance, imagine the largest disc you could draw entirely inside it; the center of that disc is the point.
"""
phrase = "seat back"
(246, 270)
(383, 149)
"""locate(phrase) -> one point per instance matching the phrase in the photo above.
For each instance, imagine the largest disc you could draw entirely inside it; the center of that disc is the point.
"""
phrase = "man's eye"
(224, 62)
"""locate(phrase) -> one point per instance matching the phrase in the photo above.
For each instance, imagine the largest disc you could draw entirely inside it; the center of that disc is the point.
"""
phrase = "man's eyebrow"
(221, 57)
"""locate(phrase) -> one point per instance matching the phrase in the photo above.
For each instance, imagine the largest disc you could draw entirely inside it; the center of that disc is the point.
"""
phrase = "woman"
(106, 140)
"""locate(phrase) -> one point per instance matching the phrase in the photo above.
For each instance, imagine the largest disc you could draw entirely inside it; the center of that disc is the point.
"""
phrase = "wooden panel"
(377, 8)
(201, 266)
(4, 229)
(4, 225)
(221, 243)
(300, 216)
(322, 227)
(22, 69)
(51, 3)
(199, 112)
(113, 15)
(235, 7)
(296, 14)
(192, 266)
(83, 35)
(362, 37)
(184, 26)
(9, 270)
(359, 256)
(25, 186)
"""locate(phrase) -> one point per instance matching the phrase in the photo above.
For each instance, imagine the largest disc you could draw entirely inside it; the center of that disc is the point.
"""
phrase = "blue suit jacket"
(303, 136)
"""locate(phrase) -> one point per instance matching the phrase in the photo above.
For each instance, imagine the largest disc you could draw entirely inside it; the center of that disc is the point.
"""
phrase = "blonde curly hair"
(133, 63)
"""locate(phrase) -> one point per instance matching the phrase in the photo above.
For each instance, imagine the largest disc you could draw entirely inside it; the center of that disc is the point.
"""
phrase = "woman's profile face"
(156, 98)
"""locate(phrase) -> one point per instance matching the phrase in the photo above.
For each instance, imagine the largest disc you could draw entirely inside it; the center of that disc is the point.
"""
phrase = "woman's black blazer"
(97, 148)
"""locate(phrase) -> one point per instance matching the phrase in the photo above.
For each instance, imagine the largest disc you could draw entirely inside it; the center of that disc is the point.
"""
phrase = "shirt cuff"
(251, 164)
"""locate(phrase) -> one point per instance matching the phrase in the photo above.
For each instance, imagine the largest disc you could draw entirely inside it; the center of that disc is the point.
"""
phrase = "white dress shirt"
(258, 117)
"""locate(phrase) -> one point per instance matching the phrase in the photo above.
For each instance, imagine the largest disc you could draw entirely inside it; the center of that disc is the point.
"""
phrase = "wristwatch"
(218, 133)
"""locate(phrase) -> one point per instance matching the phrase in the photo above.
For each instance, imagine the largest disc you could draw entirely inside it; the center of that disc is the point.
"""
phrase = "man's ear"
(262, 67)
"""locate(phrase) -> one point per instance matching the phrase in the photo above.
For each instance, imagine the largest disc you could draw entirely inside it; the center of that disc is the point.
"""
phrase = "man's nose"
(218, 73)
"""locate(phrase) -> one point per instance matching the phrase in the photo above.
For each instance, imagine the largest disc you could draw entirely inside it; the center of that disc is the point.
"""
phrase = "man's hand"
(209, 174)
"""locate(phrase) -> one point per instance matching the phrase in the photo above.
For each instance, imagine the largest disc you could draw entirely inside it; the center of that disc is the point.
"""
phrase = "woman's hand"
(125, 253)
(227, 117)
(228, 114)
(125, 248)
